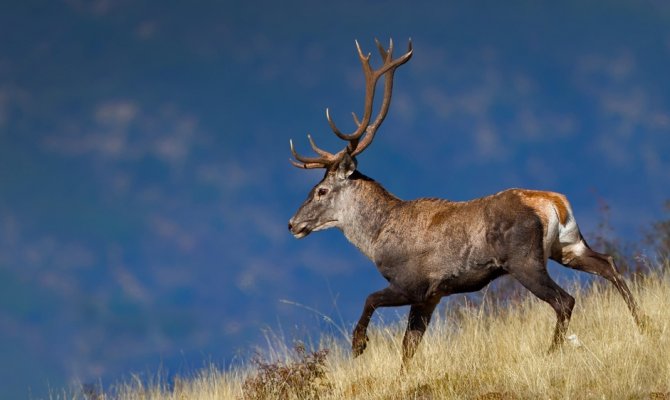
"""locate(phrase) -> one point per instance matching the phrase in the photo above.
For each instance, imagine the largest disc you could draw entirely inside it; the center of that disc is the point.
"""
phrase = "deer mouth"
(301, 230)
(301, 233)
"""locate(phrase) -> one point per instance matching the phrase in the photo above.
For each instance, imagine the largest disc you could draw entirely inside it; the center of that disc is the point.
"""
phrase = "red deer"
(430, 248)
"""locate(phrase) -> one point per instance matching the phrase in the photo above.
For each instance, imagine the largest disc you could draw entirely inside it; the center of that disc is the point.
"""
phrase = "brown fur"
(536, 199)
(439, 218)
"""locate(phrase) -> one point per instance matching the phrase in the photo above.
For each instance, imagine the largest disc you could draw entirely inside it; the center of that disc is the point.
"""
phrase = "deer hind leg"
(536, 279)
(417, 323)
(582, 258)
(387, 297)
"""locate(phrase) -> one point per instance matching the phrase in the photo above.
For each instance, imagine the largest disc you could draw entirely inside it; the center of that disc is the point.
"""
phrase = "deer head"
(327, 201)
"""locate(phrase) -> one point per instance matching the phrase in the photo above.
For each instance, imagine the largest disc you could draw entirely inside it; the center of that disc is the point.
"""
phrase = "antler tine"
(322, 153)
(390, 64)
(309, 162)
(371, 78)
(385, 55)
(388, 90)
(333, 127)
(383, 52)
(356, 120)
(303, 165)
(363, 57)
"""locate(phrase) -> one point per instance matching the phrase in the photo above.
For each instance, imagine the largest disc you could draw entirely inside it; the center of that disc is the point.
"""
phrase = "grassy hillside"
(484, 352)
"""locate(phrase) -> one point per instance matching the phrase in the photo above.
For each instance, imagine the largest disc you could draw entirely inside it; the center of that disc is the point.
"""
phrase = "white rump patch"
(575, 250)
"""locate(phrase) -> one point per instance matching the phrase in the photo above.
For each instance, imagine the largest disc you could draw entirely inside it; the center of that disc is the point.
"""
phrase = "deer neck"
(366, 213)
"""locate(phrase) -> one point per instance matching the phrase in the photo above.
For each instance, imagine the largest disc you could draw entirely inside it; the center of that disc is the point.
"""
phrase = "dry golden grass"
(473, 354)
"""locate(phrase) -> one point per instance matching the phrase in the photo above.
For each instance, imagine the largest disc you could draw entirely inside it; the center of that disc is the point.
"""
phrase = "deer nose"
(290, 225)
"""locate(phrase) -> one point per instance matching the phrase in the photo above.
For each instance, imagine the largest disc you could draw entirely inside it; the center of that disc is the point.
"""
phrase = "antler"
(356, 145)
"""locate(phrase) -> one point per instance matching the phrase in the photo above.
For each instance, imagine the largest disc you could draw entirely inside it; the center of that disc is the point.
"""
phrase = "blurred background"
(145, 186)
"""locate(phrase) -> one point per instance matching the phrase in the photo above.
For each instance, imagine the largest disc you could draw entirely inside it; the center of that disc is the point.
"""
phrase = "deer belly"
(471, 278)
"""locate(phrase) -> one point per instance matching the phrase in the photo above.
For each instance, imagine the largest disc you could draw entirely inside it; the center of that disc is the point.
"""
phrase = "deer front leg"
(383, 298)
(417, 323)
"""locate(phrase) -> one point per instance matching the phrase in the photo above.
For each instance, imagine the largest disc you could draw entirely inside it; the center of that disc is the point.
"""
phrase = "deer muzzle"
(299, 230)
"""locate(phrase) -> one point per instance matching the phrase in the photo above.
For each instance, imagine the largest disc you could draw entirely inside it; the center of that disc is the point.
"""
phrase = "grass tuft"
(304, 378)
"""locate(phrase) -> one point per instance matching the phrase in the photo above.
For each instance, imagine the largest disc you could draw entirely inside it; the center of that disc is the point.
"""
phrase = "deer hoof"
(646, 325)
(358, 348)
(358, 344)
(555, 346)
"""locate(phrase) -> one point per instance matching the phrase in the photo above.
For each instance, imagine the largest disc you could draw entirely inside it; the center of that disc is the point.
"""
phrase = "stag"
(430, 248)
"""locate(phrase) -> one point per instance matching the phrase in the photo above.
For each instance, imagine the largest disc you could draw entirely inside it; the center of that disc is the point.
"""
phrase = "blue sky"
(144, 177)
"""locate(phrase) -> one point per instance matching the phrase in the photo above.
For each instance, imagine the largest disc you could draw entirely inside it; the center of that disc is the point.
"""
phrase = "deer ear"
(346, 167)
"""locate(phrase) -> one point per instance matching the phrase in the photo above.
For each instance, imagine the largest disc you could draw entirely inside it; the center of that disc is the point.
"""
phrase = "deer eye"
(322, 191)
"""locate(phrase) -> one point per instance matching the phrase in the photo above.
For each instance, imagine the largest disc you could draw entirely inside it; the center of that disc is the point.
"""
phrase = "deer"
(430, 248)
